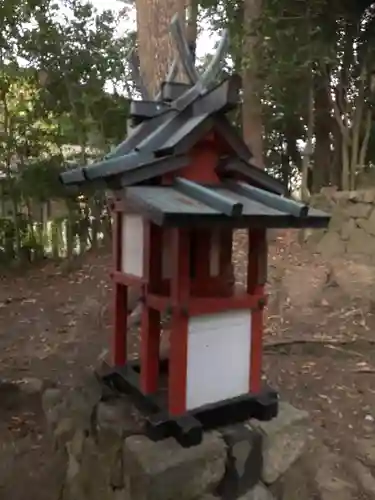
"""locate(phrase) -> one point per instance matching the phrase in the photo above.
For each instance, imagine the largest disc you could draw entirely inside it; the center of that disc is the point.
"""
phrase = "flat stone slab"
(118, 416)
(209, 496)
(164, 470)
(107, 456)
(76, 402)
(259, 492)
(244, 467)
(284, 440)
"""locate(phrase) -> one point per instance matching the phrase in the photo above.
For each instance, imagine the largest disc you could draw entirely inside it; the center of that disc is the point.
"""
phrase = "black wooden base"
(187, 429)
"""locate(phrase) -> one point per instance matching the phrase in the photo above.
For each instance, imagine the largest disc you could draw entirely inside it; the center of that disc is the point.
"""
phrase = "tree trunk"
(155, 47)
(292, 134)
(336, 169)
(192, 26)
(323, 128)
(252, 86)
(308, 151)
(156, 52)
(341, 104)
(285, 170)
(235, 16)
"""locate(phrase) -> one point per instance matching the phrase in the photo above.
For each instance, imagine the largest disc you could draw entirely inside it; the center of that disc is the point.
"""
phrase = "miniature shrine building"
(183, 182)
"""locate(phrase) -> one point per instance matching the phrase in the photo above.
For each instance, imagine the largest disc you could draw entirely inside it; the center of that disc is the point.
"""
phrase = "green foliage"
(64, 78)
(63, 81)
(40, 179)
(300, 45)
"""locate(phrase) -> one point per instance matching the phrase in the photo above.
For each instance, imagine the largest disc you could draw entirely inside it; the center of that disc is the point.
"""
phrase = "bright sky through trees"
(205, 42)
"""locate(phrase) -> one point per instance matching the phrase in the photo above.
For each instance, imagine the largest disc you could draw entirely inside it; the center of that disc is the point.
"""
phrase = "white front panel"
(132, 245)
(218, 361)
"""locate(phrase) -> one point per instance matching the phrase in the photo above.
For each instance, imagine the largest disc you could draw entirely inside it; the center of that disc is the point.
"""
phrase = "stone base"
(187, 428)
(109, 458)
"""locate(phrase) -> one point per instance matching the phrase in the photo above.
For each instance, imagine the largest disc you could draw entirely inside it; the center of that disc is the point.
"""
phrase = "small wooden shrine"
(184, 181)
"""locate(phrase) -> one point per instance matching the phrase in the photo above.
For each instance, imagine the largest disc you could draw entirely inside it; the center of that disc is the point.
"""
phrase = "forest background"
(308, 91)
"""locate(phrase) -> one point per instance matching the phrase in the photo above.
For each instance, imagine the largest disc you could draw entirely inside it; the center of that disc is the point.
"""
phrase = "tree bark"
(252, 85)
(335, 171)
(308, 150)
(192, 26)
(155, 47)
(323, 129)
(156, 52)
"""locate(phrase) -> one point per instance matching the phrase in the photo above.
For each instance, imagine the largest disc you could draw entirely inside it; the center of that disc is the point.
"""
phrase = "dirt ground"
(319, 352)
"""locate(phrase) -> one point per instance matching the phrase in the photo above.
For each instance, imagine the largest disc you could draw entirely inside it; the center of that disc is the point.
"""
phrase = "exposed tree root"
(338, 345)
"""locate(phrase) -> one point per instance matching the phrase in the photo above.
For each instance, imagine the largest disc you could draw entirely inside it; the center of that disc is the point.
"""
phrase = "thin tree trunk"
(192, 26)
(155, 47)
(335, 171)
(156, 52)
(252, 86)
(9, 175)
(292, 135)
(322, 132)
(365, 141)
(307, 154)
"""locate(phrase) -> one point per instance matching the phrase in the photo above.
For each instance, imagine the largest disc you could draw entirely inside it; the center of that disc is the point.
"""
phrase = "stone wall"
(352, 227)
(100, 438)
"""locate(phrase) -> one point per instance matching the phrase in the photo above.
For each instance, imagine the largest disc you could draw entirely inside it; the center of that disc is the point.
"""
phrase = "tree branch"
(340, 122)
(366, 139)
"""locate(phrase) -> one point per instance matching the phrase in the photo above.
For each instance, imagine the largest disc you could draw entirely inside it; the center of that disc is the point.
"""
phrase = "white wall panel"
(132, 244)
(218, 361)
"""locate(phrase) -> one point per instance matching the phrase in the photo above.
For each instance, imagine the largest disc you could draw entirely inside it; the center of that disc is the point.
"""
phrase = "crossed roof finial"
(168, 127)
(170, 123)
(200, 82)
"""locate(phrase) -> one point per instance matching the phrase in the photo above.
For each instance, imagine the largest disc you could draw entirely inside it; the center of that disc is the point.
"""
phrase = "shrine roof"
(234, 204)
(161, 143)
(168, 125)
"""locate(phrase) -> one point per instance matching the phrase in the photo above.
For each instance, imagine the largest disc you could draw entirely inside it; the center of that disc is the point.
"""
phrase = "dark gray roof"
(172, 122)
(174, 206)
(170, 129)
(167, 128)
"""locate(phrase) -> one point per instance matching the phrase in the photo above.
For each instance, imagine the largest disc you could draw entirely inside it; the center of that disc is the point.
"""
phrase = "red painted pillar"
(120, 297)
(256, 280)
(150, 322)
(226, 266)
(201, 261)
(180, 291)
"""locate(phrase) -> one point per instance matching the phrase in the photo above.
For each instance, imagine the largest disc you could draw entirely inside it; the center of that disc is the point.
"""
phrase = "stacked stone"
(108, 457)
(352, 227)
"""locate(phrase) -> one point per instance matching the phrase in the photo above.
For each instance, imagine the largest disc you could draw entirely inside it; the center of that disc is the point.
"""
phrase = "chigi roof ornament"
(168, 125)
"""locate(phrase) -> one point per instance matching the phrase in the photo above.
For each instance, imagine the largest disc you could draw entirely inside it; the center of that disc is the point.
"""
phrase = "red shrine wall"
(215, 335)
(218, 343)
(204, 158)
(132, 262)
